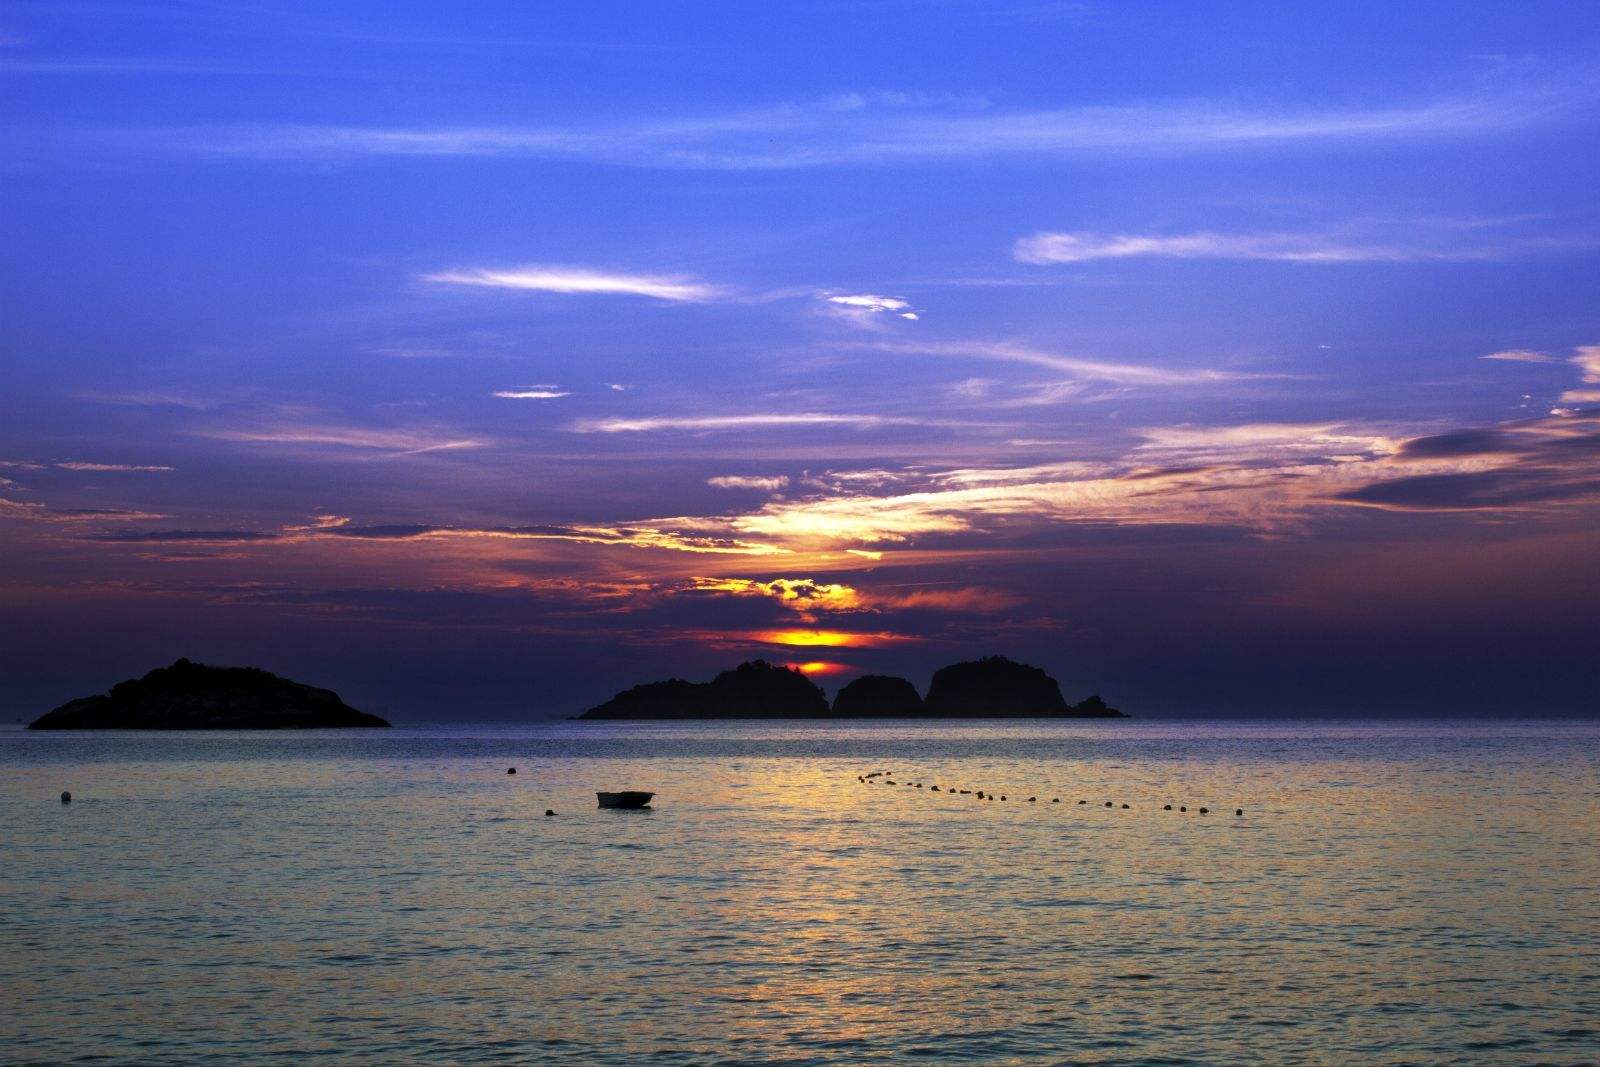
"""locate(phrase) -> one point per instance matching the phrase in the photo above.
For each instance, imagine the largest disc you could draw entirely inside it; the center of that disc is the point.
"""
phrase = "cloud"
(866, 309)
(827, 638)
(737, 481)
(736, 422)
(1521, 355)
(1127, 374)
(653, 535)
(582, 281)
(1045, 248)
(1587, 359)
(804, 595)
(397, 442)
(888, 129)
(533, 392)
(1514, 466)
(1248, 441)
(186, 536)
(79, 465)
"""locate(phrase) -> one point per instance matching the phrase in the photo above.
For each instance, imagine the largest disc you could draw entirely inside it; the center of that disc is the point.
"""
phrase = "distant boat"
(627, 799)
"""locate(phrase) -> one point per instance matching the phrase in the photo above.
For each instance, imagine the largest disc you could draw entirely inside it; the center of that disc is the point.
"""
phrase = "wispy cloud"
(582, 281)
(865, 309)
(738, 481)
(1587, 359)
(80, 465)
(887, 128)
(1045, 248)
(398, 442)
(1072, 366)
(533, 392)
(736, 422)
(1521, 355)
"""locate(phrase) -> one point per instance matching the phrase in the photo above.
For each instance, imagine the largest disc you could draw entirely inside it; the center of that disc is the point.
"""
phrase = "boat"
(628, 798)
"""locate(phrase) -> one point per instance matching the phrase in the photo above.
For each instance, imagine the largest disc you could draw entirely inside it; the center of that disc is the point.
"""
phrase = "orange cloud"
(826, 638)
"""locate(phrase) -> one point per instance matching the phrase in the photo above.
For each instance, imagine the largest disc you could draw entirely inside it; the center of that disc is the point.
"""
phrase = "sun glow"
(824, 638)
(818, 666)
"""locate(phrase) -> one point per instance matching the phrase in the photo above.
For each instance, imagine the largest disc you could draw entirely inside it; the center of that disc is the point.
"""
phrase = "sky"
(479, 359)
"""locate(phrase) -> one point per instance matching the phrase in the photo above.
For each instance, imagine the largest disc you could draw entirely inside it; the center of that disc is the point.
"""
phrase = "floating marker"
(549, 811)
(1205, 811)
(1166, 807)
(1238, 811)
(1108, 803)
(511, 770)
(66, 797)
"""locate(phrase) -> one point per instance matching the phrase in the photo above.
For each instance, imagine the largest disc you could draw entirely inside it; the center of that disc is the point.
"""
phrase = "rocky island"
(754, 690)
(193, 696)
(992, 687)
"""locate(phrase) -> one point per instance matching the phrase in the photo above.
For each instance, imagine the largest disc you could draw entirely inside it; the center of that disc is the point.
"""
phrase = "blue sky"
(1214, 357)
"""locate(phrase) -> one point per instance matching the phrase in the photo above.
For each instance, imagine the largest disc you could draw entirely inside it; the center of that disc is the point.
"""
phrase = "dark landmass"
(192, 696)
(993, 687)
(878, 696)
(754, 690)
(996, 687)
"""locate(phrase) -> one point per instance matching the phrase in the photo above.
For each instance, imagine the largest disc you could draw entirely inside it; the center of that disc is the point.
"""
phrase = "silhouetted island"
(996, 687)
(754, 690)
(878, 695)
(193, 696)
(993, 687)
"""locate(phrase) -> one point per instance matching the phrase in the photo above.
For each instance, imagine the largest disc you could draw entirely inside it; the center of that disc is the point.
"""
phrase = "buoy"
(1083, 802)
(964, 792)
(1002, 797)
(1238, 811)
(66, 797)
(935, 789)
(549, 811)
(1205, 811)
(1108, 803)
(1124, 807)
(1166, 807)
(980, 794)
(1055, 800)
(511, 770)
(1032, 799)
(1183, 809)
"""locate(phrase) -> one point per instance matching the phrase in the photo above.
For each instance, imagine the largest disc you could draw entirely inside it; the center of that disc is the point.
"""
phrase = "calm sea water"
(1393, 893)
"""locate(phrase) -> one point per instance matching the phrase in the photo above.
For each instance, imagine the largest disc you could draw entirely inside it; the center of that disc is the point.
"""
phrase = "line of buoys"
(980, 794)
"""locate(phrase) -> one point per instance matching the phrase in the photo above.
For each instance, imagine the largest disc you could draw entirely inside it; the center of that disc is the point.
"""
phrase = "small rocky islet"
(991, 687)
(194, 696)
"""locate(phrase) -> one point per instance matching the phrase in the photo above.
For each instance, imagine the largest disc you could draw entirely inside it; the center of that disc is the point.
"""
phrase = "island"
(992, 687)
(193, 696)
(878, 696)
(753, 690)
(996, 687)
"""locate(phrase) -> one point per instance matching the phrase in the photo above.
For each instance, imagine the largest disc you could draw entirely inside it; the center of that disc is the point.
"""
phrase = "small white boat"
(625, 799)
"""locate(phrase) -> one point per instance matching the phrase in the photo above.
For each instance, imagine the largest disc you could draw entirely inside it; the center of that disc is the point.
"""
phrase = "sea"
(1398, 892)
